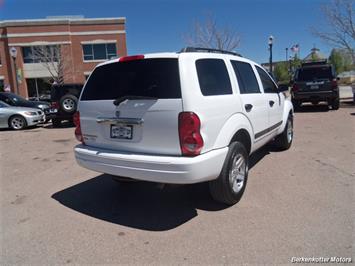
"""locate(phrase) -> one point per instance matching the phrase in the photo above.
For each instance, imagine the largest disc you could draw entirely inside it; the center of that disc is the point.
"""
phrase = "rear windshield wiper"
(120, 100)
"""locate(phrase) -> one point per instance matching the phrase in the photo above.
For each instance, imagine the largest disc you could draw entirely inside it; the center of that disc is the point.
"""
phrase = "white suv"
(181, 118)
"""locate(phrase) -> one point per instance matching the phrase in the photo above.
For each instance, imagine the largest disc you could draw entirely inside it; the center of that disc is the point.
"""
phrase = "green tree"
(295, 63)
(281, 72)
(340, 61)
(337, 61)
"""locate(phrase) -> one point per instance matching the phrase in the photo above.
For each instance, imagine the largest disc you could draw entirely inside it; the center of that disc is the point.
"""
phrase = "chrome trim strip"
(121, 120)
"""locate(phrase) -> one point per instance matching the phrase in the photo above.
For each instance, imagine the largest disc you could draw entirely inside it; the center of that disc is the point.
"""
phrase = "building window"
(39, 54)
(99, 51)
(38, 88)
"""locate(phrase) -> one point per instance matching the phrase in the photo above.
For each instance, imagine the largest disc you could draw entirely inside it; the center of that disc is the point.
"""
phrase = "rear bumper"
(161, 169)
(314, 96)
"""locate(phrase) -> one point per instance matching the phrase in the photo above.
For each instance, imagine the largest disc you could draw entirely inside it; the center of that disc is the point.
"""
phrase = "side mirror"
(282, 88)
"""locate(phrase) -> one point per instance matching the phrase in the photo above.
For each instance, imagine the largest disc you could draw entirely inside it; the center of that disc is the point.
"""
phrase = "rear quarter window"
(213, 77)
(156, 78)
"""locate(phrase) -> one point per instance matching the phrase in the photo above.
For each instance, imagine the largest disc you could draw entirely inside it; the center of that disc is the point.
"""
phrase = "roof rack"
(207, 50)
(318, 62)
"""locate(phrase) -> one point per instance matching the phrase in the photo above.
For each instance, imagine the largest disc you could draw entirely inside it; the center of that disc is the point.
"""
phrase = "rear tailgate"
(315, 79)
(133, 106)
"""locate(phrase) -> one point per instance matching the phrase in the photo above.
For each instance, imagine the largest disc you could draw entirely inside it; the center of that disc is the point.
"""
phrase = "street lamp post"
(13, 53)
(271, 40)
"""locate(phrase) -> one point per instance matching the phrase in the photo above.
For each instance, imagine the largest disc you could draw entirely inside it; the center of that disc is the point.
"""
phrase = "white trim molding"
(22, 44)
(62, 33)
(95, 61)
(98, 42)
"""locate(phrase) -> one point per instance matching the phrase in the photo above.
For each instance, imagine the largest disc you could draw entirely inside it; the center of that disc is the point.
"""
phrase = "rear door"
(254, 102)
(133, 106)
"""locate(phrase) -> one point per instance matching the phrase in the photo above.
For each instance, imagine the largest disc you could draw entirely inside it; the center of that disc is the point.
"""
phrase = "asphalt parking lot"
(298, 203)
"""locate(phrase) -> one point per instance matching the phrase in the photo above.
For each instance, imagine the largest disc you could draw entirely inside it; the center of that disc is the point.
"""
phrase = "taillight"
(334, 84)
(131, 58)
(55, 105)
(78, 134)
(295, 88)
(191, 141)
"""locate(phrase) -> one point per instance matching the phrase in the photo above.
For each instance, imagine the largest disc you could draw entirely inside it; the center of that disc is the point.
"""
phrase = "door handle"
(248, 107)
(271, 103)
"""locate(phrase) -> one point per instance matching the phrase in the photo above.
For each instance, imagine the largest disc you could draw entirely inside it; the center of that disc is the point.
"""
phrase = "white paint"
(62, 33)
(98, 42)
(37, 43)
(35, 70)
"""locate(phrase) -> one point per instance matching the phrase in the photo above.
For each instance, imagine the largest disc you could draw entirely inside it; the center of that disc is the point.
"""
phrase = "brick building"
(82, 43)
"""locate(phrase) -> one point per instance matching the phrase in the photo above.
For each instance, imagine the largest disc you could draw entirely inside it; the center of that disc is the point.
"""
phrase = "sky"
(160, 25)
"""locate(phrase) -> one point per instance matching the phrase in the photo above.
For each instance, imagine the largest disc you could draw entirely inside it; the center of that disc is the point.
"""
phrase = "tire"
(284, 140)
(56, 122)
(335, 104)
(296, 104)
(68, 103)
(226, 188)
(17, 122)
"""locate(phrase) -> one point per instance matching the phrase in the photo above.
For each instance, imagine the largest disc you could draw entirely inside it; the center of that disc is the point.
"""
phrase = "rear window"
(314, 73)
(213, 77)
(157, 78)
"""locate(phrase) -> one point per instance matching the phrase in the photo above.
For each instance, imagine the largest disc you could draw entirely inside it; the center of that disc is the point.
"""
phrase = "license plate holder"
(121, 131)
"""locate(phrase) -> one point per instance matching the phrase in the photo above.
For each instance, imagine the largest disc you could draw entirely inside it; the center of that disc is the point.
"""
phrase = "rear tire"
(296, 104)
(284, 140)
(56, 122)
(17, 122)
(335, 104)
(229, 187)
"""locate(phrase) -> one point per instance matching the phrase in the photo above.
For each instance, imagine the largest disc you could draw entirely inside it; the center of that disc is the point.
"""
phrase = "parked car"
(181, 118)
(64, 99)
(42, 97)
(19, 117)
(16, 100)
(315, 82)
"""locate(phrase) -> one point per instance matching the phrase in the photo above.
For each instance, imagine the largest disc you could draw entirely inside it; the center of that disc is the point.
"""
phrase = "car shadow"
(65, 124)
(347, 104)
(142, 205)
(312, 108)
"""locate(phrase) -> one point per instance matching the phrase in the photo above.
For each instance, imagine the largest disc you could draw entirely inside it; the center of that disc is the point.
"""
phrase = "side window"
(213, 77)
(268, 84)
(246, 78)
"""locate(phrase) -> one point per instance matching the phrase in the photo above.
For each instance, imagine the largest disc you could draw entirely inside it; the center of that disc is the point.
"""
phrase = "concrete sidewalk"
(345, 92)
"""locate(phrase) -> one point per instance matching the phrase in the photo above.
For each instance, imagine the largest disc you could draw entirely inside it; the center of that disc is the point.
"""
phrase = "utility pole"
(13, 53)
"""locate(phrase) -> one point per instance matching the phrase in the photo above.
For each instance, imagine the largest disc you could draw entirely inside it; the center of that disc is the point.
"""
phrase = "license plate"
(121, 131)
(314, 87)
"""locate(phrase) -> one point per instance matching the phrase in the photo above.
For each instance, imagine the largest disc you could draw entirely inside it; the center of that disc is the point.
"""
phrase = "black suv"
(315, 82)
(64, 98)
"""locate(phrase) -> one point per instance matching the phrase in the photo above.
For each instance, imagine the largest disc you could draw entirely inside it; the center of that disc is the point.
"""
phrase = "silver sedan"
(19, 117)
